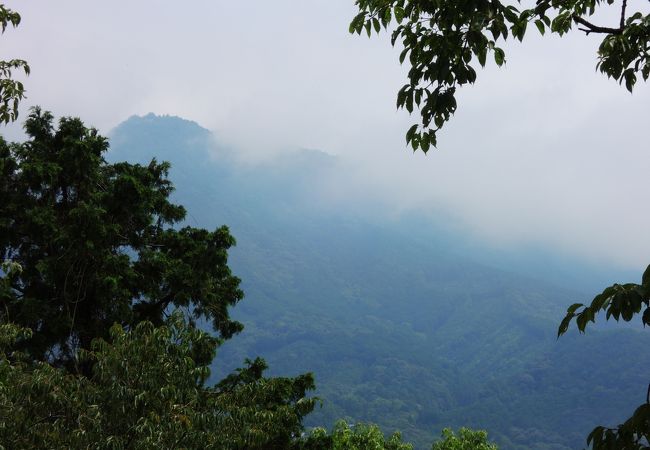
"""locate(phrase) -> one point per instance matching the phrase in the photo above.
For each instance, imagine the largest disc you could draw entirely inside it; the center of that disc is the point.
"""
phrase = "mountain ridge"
(399, 327)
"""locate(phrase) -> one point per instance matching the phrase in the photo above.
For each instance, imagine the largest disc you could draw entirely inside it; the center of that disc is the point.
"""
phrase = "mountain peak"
(152, 118)
(165, 137)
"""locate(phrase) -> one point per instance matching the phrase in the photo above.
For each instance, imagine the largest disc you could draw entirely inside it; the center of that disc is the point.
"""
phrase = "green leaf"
(481, 54)
(645, 71)
(376, 24)
(415, 141)
(408, 103)
(522, 30)
(564, 325)
(387, 16)
(627, 314)
(402, 55)
(357, 22)
(572, 309)
(499, 56)
(411, 132)
(581, 321)
(401, 96)
(540, 27)
(399, 13)
(424, 142)
(630, 79)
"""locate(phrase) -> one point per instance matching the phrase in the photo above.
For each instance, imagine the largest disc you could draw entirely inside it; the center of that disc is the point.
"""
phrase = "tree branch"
(623, 14)
(591, 28)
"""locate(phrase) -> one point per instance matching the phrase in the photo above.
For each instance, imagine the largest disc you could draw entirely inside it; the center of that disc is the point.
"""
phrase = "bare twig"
(591, 28)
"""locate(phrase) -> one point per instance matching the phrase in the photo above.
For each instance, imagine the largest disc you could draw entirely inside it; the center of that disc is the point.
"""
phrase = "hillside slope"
(400, 328)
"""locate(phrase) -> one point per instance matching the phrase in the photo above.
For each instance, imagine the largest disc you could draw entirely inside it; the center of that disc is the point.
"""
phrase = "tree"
(465, 440)
(97, 244)
(11, 91)
(358, 437)
(443, 42)
(147, 391)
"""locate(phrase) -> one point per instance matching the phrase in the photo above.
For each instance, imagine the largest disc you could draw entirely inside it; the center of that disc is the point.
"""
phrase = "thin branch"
(623, 14)
(591, 28)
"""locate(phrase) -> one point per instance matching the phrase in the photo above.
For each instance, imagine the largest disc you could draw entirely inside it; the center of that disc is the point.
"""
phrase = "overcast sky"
(544, 150)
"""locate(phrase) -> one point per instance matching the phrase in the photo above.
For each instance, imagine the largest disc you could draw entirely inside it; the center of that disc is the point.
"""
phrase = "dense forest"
(411, 332)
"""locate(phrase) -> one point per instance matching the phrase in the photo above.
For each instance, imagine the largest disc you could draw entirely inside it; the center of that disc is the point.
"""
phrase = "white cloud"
(543, 150)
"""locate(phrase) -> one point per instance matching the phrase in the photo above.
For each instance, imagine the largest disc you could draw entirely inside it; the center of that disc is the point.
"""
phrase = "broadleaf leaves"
(12, 91)
(619, 301)
(443, 40)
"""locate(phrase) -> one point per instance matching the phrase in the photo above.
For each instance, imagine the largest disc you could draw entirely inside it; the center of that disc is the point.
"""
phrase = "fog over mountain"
(545, 152)
(407, 319)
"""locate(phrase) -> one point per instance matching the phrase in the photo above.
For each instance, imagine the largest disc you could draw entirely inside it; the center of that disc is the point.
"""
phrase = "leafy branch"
(11, 91)
(442, 42)
(620, 301)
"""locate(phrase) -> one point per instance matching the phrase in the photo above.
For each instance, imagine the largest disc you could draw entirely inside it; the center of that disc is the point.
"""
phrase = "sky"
(544, 150)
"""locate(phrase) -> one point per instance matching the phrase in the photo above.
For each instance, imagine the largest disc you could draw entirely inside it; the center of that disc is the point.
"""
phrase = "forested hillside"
(402, 327)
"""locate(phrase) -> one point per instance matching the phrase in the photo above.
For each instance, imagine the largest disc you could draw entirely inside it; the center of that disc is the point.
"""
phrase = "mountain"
(405, 322)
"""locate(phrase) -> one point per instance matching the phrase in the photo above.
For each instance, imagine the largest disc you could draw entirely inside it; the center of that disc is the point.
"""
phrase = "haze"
(544, 151)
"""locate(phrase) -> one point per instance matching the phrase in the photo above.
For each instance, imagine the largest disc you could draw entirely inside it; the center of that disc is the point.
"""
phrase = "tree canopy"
(147, 391)
(360, 436)
(444, 42)
(97, 243)
(466, 439)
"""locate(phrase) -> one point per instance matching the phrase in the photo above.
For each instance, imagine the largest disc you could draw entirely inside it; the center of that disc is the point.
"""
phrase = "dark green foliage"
(633, 434)
(444, 42)
(276, 405)
(465, 440)
(97, 246)
(146, 392)
(620, 301)
(11, 91)
(358, 437)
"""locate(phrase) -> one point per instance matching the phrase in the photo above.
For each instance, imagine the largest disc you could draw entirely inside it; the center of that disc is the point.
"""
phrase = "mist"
(544, 152)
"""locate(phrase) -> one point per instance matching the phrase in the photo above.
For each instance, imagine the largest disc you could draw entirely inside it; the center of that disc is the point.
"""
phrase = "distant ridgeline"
(399, 324)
